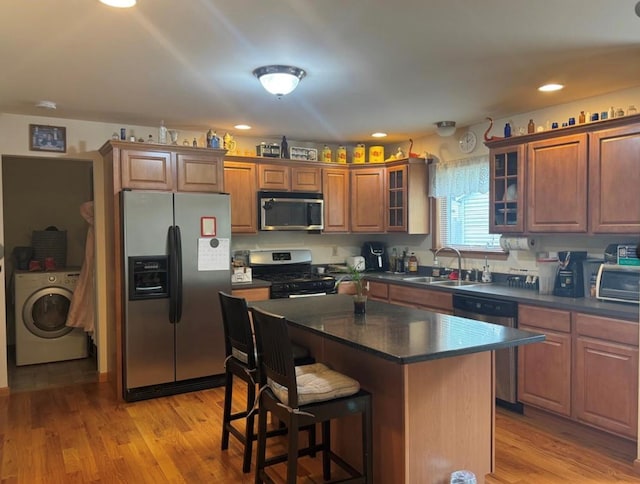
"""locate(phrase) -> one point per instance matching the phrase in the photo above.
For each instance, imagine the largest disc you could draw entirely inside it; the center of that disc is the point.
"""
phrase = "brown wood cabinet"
(578, 179)
(335, 191)
(274, 177)
(199, 172)
(240, 183)
(614, 180)
(606, 374)
(165, 167)
(378, 291)
(407, 197)
(306, 179)
(367, 199)
(507, 182)
(289, 178)
(557, 184)
(252, 293)
(544, 369)
(415, 297)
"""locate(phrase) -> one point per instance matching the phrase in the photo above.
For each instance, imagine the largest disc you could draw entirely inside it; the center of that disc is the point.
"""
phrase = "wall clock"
(467, 142)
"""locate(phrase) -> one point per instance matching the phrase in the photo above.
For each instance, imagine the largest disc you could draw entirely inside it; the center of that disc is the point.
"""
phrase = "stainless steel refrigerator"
(176, 250)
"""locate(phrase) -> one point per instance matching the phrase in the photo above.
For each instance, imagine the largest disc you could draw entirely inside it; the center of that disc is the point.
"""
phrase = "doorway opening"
(44, 239)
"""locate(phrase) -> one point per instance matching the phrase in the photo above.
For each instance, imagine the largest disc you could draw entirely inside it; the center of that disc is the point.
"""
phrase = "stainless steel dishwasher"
(503, 313)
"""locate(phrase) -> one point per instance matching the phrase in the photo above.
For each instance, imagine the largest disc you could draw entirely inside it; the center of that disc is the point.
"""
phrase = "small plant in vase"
(361, 287)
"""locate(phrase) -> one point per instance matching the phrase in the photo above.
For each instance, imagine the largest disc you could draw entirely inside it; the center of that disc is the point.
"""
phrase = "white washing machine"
(42, 302)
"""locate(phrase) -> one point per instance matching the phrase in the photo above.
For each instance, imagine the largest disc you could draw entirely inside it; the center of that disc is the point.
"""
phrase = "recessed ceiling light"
(46, 105)
(242, 126)
(119, 3)
(379, 135)
(550, 87)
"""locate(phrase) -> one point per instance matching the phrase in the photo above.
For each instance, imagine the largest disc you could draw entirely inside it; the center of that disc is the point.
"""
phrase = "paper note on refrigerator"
(213, 254)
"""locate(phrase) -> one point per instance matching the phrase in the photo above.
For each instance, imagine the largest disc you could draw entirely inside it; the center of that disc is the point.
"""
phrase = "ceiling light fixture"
(242, 126)
(446, 128)
(550, 87)
(119, 3)
(379, 135)
(46, 105)
(279, 80)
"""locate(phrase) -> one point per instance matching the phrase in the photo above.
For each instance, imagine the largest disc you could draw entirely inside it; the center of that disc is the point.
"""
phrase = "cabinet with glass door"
(506, 213)
(407, 196)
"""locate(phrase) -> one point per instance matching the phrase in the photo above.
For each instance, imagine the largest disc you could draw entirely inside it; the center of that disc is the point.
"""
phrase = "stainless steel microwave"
(618, 283)
(290, 211)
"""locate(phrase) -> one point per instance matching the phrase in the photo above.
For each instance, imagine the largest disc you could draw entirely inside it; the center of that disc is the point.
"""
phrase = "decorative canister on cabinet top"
(326, 154)
(341, 154)
(358, 154)
(376, 154)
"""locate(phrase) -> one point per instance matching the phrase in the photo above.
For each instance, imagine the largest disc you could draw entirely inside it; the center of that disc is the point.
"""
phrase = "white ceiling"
(373, 65)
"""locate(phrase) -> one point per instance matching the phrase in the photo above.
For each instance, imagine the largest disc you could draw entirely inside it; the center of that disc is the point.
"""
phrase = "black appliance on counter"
(290, 273)
(375, 256)
(570, 277)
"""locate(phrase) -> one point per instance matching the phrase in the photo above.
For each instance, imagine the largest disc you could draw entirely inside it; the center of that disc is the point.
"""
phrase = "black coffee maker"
(570, 277)
(375, 256)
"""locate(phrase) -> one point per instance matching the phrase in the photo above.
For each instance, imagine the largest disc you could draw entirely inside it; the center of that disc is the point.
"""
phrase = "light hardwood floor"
(82, 434)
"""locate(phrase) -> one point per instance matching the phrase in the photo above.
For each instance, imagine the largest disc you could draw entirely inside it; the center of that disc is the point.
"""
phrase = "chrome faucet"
(453, 249)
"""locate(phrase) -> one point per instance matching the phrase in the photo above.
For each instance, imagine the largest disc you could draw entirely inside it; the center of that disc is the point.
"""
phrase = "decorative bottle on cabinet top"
(284, 148)
(531, 127)
(162, 133)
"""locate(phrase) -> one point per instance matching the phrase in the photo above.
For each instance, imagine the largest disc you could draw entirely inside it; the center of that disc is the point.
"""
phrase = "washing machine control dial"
(52, 278)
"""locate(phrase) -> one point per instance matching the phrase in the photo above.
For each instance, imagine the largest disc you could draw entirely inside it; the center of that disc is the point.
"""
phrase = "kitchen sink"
(436, 281)
(453, 283)
(425, 279)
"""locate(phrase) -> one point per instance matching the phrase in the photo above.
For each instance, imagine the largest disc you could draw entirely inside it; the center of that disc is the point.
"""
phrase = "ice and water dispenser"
(148, 277)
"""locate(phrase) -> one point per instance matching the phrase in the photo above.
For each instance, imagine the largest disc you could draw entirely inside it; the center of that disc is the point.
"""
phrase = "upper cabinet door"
(557, 184)
(306, 179)
(614, 180)
(368, 205)
(200, 172)
(335, 183)
(274, 177)
(240, 184)
(146, 169)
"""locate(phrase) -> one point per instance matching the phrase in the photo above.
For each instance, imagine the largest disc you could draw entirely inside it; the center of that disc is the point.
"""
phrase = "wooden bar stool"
(240, 362)
(302, 396)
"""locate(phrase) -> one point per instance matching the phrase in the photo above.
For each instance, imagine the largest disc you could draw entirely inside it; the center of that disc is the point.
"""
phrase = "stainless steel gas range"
(290, 273)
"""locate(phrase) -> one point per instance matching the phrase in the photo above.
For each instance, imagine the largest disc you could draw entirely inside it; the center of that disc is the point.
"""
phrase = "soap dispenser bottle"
(486, 273)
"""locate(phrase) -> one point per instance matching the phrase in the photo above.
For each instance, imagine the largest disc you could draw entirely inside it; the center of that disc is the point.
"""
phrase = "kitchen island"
(431, 376)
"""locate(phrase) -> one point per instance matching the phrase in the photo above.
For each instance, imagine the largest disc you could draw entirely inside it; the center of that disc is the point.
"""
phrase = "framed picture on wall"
(47, 138)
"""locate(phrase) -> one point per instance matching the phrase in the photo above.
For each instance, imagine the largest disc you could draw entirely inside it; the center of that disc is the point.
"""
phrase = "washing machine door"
(45, 312)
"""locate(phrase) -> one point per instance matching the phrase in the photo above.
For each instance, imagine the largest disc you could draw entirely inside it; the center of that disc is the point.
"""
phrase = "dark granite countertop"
(584, 304)
(395, 333)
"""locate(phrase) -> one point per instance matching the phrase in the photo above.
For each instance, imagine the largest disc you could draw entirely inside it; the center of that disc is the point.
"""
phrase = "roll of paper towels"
(517, 243)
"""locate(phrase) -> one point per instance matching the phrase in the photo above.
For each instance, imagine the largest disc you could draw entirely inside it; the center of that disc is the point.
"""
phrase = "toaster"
(357, 262)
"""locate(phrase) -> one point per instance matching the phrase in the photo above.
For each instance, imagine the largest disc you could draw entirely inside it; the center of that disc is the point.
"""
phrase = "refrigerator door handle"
(173, 272)
(178, 272)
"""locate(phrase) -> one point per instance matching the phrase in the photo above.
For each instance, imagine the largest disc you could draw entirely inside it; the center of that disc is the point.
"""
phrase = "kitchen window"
(461, 191)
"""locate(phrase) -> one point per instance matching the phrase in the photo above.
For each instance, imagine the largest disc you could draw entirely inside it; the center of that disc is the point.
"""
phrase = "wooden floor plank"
(83, 434)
